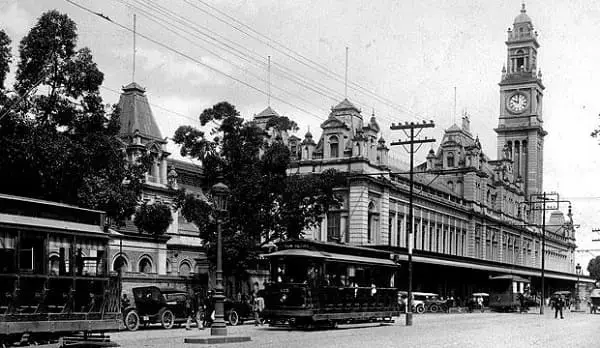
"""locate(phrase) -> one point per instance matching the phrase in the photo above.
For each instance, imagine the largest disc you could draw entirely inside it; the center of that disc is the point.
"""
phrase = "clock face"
(517, 102)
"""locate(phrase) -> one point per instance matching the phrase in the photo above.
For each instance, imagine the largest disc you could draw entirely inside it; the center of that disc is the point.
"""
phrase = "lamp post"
(218, 330)
(220, 193)
(578, 271)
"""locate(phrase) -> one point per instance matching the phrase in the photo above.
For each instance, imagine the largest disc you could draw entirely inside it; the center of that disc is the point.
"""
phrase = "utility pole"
(544, 198)
(409, 131)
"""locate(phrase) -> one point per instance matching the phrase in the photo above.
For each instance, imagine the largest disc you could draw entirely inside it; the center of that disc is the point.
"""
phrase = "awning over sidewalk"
(494, 268)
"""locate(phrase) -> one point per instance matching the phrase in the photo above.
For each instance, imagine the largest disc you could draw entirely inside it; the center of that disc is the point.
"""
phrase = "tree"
(154, 218)
(594, 268)
(5, 57)
(265, 204)
(58, 141)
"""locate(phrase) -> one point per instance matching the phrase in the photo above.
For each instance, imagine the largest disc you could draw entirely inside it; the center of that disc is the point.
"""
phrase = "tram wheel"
(132, 321)
(167, 319)
(434, 308)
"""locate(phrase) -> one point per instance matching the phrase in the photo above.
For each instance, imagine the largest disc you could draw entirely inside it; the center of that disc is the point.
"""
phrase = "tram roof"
(323, 255)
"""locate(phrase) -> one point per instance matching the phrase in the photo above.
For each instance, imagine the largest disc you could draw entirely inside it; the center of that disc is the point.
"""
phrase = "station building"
(469, 225)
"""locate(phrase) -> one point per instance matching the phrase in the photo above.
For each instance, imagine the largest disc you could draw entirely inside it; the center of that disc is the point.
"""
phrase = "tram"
(54, 280)
(315, 283)
(505, 290)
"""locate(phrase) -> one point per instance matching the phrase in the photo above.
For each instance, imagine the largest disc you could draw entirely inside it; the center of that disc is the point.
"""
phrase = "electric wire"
(251, 54)
(165, 25)
(187, 56)
(302, 60)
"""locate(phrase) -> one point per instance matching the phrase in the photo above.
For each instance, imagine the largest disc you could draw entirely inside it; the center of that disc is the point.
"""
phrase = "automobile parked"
(418, 306)
(432, 302)
(155, 305)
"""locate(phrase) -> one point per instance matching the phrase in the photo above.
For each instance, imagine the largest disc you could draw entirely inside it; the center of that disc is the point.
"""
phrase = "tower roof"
(136, 114)
(345, 105)
(267, 113)
(522, 17)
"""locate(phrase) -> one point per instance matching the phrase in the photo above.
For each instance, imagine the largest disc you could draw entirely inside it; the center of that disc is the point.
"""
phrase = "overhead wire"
(302, 60)
(166, 25)
(187, 56)
(218, 39)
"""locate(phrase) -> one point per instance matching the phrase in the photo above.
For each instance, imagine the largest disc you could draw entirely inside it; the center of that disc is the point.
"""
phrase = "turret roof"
(522, 17)
(345, 105)
(136, 114)
(268, 112)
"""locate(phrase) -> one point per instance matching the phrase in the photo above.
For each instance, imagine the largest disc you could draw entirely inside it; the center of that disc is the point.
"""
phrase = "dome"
(522, 17)
(308, 134)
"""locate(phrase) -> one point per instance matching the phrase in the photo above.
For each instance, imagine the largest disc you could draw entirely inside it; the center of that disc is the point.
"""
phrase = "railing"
(325, 299)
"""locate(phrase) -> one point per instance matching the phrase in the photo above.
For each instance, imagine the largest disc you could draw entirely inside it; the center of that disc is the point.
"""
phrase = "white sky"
(411, 52)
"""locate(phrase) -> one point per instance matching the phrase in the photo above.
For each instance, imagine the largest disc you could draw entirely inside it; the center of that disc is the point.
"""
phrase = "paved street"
(430, 330)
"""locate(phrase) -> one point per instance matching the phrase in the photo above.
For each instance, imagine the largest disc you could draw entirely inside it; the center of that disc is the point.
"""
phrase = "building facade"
(176, 258)
(468, 225)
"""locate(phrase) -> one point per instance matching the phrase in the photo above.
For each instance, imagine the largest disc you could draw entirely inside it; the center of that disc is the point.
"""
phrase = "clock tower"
(520, 127)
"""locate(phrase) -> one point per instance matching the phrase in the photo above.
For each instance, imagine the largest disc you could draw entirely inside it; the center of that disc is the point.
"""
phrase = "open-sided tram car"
(54, 279)
(315, 283)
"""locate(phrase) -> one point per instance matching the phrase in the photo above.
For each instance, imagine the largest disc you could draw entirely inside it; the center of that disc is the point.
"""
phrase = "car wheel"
(434, 308)
(420, 309)
(233, 317)
(167, 319)
(132, 321)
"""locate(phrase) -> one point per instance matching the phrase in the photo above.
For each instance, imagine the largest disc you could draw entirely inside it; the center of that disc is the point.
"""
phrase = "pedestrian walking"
(257, 305)
(558, 304)
(189, 309)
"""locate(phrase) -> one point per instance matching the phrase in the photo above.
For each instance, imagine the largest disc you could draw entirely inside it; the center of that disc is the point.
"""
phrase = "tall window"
(390, 226)
(372, 228)
(333, 147)
(333, 226)
(450, 160)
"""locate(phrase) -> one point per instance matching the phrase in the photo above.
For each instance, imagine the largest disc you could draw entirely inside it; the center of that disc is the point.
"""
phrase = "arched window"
(145, 265)
(334, 145)
(120, 264)
(450, 160)
(451, 186)
(169, 266)
(185, 269)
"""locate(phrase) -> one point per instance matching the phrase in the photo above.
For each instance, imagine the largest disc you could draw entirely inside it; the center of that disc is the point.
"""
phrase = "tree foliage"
(5, 57)
(58, 141)
(594, 268)
(265, 205)
(154, 218)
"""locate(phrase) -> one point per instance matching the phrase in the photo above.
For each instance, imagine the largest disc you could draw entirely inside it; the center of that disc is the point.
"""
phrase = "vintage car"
(236, 312)
(431, 301)
(418, 306)
(155, 305)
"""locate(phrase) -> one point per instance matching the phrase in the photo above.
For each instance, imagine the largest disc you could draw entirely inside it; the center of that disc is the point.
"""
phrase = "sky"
(405, 61)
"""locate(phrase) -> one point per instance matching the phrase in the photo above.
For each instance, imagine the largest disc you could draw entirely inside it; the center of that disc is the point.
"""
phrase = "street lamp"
(220, 194)
(578, 271)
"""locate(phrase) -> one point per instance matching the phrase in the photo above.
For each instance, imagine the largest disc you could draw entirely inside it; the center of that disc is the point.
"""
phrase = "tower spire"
(269, 81)
(346, 76)
(133, 70)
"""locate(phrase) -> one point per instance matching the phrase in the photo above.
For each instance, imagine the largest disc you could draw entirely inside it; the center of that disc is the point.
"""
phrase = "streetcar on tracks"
(54, 279)
(323, 284)
(505, 290)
